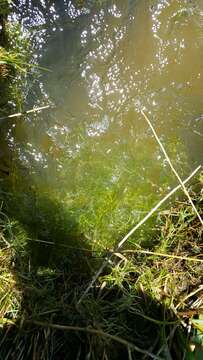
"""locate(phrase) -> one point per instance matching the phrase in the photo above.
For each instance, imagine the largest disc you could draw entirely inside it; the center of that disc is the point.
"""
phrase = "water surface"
(92, 154)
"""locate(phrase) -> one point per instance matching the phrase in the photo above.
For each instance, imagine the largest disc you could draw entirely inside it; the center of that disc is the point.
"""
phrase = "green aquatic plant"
(181, 15)
(143, 300)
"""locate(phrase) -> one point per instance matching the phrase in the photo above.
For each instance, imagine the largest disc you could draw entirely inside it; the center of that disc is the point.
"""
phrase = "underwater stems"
(152, 211)
(172, 167)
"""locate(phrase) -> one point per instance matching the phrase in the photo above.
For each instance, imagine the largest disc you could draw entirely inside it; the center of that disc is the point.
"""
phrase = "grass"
(142, 306)
(13, 57)
(16, 63)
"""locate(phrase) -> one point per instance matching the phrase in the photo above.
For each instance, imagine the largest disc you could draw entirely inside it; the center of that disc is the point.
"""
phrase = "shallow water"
(90, 163)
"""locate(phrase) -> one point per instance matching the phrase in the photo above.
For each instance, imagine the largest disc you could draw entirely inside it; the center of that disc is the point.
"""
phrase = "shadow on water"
(50, 229)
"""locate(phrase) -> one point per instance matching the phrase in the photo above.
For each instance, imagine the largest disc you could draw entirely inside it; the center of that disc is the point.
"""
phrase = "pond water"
(90, 165)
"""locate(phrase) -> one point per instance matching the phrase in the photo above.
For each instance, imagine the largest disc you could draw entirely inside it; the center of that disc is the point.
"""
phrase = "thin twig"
(126, 237)
(4, 240)
(200, 288)
(172, 167)
(25, 112)
(179, 257)
(96, 332)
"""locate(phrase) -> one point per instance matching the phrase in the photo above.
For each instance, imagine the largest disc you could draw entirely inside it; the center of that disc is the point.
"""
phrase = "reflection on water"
(93, 150)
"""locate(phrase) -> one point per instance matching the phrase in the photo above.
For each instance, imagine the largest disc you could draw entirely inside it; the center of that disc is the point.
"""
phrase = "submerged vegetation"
(145, 303)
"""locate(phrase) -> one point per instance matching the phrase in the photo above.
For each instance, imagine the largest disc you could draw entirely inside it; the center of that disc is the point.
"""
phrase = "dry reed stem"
(171, 165)
(194, 292)
(152, 211)
(179, 257)
(25, 112)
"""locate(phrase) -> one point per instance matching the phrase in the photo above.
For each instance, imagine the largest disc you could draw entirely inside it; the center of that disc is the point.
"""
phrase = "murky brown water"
(93, 152)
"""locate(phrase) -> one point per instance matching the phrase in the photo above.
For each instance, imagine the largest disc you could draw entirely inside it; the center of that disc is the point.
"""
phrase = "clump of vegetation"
(145, 301)
(11, 59)
(14, 61)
